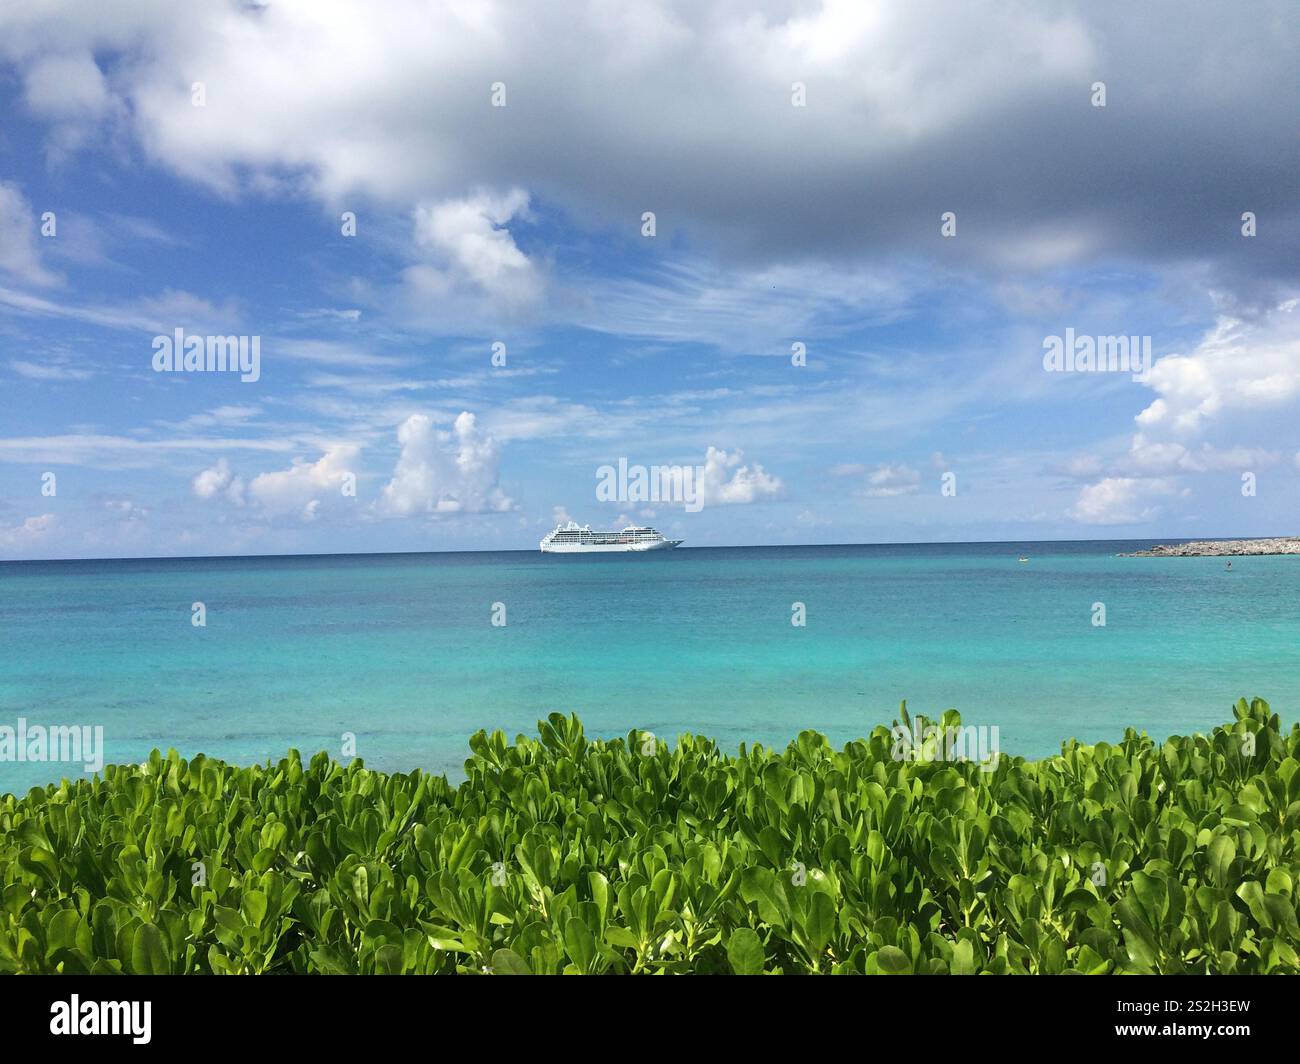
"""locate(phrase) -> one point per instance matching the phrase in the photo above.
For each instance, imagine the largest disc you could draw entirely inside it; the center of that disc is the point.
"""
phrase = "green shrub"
(560, 854)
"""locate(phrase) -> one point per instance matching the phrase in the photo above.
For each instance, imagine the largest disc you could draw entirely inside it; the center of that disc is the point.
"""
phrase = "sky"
(814, 252)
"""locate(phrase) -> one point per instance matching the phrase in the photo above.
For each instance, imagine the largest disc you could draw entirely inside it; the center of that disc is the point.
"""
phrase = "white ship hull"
(580, 539)
(608, 548)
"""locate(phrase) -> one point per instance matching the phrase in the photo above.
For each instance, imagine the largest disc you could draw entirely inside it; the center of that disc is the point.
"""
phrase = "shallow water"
(400, 649)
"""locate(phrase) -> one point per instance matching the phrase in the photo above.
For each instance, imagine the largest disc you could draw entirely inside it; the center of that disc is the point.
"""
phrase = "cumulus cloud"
(300, 489)
(887, 480)
(724, 481)
(62, 85)
(1128, 488)
(1238, 366)
(395, 106)
(1120, 500)
(470, 238)
(302, 486)
(1150, 456)
(70, 89)
(1217, 409)
(444, 472)
(219, 482)
(28, 533)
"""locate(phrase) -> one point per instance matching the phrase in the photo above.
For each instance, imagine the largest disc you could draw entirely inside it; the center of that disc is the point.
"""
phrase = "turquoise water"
(400, 649)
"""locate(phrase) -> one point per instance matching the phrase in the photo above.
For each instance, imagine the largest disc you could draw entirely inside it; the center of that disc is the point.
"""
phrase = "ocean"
(401, 651)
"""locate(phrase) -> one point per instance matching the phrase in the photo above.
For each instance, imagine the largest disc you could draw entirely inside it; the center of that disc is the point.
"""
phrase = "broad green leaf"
(963, 958)
(745, 952)
(149, 951)
(893, 961)
(1222, 851)
(508, 962)
(759, 886)
(579, 943)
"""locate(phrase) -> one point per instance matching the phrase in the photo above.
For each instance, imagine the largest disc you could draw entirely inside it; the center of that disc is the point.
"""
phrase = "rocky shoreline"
(1221, 548)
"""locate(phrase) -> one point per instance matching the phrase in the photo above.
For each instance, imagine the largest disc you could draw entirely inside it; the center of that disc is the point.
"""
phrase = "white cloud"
(691, 298)
(299, 489)
(218, 416)
(1120, 500)
(122, 452)
(126, 509)
(444, 472)
(334, 76)
(19, 229)
(66, 86)
(887, 480)
(160, 313)
(335, 353)
(394, 105)
(303, 485)
(469, 238)
(725, 482)
(39, 371)
(219, 481)
(1083, 467)
(1153, 457)
(1238, 366)
(31, 531)
(351, 314)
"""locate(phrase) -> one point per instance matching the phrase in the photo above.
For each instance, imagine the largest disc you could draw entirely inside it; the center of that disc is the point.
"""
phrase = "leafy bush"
(560, 854)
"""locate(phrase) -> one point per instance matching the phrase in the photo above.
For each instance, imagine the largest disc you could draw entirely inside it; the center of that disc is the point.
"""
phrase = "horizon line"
(723, 546)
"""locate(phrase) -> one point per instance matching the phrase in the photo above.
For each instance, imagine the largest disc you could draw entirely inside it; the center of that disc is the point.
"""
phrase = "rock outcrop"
(1221, 548)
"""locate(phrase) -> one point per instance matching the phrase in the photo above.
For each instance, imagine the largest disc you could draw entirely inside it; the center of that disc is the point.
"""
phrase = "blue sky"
(522, 224)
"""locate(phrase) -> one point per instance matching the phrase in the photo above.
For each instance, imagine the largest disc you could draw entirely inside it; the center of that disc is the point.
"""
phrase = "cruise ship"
(580, 539)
